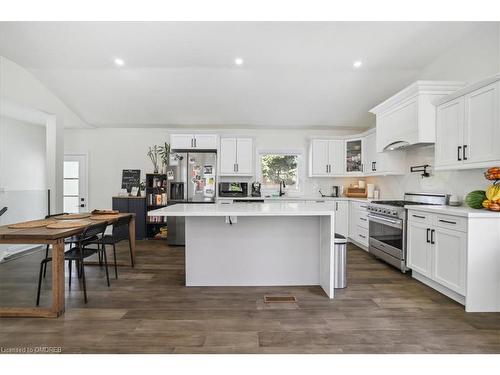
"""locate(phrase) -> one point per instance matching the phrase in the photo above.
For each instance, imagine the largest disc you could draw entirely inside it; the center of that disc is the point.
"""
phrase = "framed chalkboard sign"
(130, 178)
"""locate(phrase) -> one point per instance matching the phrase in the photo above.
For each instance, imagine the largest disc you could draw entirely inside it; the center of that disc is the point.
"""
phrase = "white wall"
(23, 174)
(111, 150)
(20, 87)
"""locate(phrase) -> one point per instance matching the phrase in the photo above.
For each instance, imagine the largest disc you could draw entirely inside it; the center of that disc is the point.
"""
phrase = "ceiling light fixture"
(238, 61)
(119, 62)
(357, 64)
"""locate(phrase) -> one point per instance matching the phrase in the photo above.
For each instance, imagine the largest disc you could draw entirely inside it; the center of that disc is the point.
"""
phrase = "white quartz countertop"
(246, 209)
(296, 198)
(455, 211)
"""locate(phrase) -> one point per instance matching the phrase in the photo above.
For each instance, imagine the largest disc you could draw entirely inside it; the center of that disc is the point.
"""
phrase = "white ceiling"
(295, 74)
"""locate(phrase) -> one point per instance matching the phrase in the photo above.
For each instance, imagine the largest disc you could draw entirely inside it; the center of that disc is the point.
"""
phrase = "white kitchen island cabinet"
(258, 244)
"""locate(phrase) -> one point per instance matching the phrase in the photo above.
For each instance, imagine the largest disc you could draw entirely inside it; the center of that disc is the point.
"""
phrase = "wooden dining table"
(54, 237)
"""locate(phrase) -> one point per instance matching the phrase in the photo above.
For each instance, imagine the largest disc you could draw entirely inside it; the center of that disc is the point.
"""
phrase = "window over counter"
(277, 166)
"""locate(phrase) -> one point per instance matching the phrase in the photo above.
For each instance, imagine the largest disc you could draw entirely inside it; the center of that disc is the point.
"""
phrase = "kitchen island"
(258, 244)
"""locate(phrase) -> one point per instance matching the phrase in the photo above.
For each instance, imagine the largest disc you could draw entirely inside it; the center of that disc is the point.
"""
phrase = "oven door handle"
(383, 220)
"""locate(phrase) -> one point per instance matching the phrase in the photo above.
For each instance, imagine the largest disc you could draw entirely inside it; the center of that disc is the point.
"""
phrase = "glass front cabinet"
(353, 155)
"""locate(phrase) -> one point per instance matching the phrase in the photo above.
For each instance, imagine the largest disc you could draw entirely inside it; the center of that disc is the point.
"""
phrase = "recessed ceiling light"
(119, 62)
(357, 64)
(238, 61)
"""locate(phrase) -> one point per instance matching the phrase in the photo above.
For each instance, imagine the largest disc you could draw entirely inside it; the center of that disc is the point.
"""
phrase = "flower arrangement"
(154, 154)
(165, 154)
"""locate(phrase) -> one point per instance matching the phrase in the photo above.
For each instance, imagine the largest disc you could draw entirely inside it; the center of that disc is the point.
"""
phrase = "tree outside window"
(276, 168)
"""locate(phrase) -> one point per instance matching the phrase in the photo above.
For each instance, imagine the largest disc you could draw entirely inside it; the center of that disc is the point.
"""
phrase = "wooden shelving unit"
(156, 197)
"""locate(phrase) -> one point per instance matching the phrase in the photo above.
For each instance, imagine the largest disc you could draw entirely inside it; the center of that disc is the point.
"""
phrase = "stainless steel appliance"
(335, 191)
(191, 180)
(256, 189)
(233, 189)
(387, 226)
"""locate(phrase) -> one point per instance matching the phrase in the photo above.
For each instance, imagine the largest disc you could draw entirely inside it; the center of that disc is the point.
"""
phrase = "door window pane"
(71, 204)
(71, 169)
(71, 187)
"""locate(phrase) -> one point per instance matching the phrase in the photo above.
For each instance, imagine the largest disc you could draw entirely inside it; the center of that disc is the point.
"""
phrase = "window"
(276, 167)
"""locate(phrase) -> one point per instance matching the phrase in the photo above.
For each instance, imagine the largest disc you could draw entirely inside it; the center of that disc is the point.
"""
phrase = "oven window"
(387, 234)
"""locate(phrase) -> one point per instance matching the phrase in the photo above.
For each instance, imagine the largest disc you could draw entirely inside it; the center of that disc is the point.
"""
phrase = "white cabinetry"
(326, 158)
(358, 223)
(468, 127)
(342, 218)
(193, 141)
(409, 116)
(236, 157)
(381, 163)
(437, 250)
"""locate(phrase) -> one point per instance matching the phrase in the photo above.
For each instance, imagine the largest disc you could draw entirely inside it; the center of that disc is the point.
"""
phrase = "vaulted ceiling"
(294, 75)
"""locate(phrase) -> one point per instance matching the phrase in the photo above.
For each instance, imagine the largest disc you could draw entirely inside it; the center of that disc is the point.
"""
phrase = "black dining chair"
(48, 246)
(80, 250)
(120, 233)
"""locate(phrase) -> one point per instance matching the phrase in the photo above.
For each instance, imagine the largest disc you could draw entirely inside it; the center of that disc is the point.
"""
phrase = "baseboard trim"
(440, 288)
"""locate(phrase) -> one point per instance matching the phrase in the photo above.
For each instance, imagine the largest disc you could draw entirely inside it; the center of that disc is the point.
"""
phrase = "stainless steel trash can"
(340, 255)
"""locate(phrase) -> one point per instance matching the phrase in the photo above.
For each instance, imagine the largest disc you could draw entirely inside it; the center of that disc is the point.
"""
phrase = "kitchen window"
(280, 166)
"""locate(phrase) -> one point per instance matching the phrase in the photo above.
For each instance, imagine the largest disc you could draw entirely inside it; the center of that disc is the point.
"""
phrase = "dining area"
(70, 241)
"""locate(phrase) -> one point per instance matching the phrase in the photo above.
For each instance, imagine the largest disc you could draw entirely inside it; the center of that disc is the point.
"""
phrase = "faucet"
(282, 188)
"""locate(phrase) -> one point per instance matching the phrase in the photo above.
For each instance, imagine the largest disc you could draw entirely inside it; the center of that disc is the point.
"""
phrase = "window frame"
(301, 173)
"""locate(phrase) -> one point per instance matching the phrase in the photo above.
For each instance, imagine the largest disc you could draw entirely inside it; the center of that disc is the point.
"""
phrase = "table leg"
(58, 278)
(131, 233)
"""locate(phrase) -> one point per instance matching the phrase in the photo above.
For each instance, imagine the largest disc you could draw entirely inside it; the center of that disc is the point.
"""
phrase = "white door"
(181, 141)
(342, 218)
(319, 157)
(227, 156)
(205, 141)
(482, 128)
(244, 156)
(336, 157)
(419, 249)
(450, 259)
(449, 133)
(75, 184)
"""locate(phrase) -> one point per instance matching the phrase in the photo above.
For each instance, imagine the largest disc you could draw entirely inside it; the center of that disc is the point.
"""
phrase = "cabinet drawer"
(452, 222)
(362, 236)
(362, 219)
(421, 217)
(362, 206)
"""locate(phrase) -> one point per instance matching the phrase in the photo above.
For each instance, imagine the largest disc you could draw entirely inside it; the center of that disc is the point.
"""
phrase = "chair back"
(120, 228)
(93, 230)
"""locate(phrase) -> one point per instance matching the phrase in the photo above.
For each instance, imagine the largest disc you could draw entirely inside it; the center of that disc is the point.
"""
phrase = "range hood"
(408, 118)
(398, 145)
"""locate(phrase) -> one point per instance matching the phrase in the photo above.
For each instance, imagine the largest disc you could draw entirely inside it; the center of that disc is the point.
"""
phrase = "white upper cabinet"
(193, 141)
(468, 127)
(236, 157)
(381, 163)
(326, 157)
(409, 117)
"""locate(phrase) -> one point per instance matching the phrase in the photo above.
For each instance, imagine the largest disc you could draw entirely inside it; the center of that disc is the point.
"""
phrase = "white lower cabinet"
(437, 252)
(342, 218)
(358, 223)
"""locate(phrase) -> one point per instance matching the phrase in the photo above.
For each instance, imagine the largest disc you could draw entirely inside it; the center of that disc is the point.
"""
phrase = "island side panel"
(326, 258)
(255, 251)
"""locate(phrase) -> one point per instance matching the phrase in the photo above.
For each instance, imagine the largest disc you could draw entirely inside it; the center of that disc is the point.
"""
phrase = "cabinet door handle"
(363, 206)
(362, 236)
(427, 235)
(237, 167)
(459, 152)
(374, 166)
(448, 222)
(465, 156)
(362, 218)
(432, 236)
(327, 168)
(420, 217)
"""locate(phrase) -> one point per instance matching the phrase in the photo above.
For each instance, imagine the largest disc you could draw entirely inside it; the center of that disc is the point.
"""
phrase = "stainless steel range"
(387, 226)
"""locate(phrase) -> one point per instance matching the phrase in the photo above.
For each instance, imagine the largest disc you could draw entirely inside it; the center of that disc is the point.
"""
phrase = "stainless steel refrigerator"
(191, 180)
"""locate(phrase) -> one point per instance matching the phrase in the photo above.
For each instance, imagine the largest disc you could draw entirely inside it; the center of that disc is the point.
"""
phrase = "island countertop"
(246, 209)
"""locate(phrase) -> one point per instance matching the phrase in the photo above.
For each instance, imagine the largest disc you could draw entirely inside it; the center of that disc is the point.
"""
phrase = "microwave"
(233, 189)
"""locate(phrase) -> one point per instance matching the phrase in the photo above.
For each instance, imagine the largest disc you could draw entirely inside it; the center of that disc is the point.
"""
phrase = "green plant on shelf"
(154, 154)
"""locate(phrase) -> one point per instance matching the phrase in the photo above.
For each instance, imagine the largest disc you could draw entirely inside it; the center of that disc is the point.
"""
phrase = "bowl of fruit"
(489, 199)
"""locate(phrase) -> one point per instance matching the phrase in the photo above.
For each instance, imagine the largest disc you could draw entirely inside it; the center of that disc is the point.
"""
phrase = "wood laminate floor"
(148, 310)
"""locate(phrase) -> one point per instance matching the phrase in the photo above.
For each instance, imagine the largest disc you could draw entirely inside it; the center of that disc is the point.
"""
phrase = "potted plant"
(165, 156)
(153, 154)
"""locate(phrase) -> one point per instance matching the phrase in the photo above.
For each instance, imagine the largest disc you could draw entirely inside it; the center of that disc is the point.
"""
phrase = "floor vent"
(280, 299)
